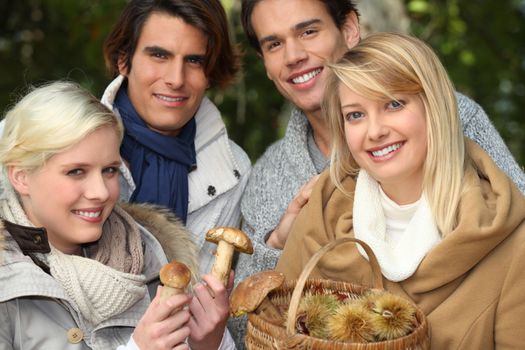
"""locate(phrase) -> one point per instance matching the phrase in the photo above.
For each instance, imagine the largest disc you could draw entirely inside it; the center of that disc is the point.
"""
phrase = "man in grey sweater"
(295, 38)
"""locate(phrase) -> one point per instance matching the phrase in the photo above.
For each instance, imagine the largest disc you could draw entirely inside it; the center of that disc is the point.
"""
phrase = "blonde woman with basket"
(447, 226)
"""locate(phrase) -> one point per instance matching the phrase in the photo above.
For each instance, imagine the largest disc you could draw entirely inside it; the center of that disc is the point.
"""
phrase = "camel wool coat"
(471, 285)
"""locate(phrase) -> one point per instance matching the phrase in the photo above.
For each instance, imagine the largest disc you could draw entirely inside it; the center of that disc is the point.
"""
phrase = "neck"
(402, 193)
(320, 131)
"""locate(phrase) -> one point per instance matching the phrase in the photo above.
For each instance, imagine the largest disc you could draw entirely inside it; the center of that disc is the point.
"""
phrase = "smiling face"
(388, 139)
(167, 82)
(297, 37)
(73, 194)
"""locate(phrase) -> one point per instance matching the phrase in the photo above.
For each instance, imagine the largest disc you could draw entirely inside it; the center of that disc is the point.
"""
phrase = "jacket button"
(37, 239)
(74, 335)
(211, 191)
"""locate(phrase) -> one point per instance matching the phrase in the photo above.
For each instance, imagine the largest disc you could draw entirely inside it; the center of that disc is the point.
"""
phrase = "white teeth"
(170, 99)
(305, 77)
(89, 214)
(386, 150)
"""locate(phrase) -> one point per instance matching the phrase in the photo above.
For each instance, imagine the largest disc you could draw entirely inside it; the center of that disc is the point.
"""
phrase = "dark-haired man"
(164, 55)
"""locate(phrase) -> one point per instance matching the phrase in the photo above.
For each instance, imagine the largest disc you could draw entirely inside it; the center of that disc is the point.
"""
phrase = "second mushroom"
(228, 239)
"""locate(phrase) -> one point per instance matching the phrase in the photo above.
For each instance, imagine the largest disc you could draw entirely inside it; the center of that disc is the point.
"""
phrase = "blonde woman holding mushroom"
(80, 271)
(446, 224)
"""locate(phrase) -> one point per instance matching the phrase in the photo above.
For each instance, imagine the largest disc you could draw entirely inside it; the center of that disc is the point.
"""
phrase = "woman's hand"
(164, 326)
(210, 311)
(277, 239)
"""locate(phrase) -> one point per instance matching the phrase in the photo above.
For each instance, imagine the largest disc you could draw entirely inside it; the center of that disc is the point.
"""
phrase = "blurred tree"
(42, 40)
(481, 44)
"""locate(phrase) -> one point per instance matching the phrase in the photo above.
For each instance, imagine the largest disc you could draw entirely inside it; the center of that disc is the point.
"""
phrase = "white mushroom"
(228, 239)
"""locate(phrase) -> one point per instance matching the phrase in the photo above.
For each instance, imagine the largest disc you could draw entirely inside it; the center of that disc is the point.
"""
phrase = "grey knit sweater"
(286, 166)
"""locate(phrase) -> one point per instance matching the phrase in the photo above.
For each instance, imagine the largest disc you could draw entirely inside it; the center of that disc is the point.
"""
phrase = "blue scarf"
(158, 163)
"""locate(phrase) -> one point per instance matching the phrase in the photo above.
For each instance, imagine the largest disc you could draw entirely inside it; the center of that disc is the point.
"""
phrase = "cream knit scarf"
(109, 280)
(399, 260)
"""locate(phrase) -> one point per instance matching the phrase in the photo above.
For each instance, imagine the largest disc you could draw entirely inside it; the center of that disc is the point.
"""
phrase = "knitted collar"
(102, 286)
(400, 260)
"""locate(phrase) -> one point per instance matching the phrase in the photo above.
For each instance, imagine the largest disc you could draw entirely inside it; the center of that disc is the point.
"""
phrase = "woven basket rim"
(287, 334)
(419, 335)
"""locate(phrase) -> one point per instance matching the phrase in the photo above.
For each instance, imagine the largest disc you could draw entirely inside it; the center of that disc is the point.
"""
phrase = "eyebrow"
(116, 163)
(157, 50)
(351, 105)
(297, 27)
(164, 52)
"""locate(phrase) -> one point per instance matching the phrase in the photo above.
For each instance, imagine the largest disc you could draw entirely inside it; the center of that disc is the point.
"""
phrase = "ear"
(122, 68)
(351, 30)
(19, 179)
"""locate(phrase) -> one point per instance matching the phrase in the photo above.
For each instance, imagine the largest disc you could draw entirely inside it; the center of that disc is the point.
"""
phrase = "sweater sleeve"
(478, 127)
(263, 203)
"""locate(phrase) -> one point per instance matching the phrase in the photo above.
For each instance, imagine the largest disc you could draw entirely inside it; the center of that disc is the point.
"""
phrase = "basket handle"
(299, 286)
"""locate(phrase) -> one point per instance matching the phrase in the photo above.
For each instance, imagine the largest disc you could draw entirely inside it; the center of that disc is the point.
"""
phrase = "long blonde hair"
(50, 119)
(384, 64)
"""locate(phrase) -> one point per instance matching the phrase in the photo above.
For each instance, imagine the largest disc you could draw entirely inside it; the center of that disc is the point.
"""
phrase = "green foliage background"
(482, 44)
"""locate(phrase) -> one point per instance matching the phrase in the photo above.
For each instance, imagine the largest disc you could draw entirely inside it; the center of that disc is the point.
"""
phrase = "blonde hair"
(384, 64)
(50, 119)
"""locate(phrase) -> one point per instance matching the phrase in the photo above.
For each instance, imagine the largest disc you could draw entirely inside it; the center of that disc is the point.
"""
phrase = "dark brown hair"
(222, 57)
(338, 10)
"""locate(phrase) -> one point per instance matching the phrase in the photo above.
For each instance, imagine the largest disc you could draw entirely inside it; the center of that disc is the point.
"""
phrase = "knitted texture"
(98, 291)
(400, 260)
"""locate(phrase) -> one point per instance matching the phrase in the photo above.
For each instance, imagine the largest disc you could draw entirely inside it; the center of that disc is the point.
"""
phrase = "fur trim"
(168, 230)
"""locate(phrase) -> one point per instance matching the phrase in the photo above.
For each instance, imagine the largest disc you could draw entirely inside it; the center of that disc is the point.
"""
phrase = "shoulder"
(174, 238)
(241, 158)
(469, 110)
(272, 159)
(267, 172)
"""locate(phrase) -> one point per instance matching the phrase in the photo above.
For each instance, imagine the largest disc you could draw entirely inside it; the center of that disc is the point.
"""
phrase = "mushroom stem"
(270, 311)
(223, 262)
(168, 292)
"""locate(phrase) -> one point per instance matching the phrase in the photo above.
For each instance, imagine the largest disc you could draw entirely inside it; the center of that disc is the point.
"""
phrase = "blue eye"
(75, 172)
(395, 104)
(111, 170)
(353, 116)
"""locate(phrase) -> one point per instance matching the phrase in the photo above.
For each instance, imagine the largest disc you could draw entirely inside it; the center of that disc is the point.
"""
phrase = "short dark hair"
(222, 56)
(338, 10)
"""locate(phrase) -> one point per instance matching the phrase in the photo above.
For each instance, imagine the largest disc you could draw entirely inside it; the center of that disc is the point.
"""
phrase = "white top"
(397, 217)
(398, 255)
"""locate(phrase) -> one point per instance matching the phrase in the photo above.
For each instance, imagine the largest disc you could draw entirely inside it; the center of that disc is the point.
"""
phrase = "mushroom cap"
(249, 294)
(175, 275)
(233, 236)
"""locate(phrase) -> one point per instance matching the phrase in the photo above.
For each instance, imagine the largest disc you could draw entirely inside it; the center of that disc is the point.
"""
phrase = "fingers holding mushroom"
(175, 276)
(228, 239)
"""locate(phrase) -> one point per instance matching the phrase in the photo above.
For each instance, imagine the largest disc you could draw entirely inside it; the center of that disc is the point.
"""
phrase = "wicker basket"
(262, 335)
